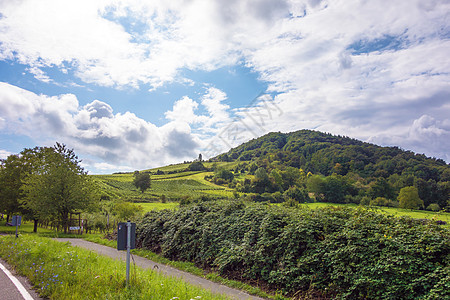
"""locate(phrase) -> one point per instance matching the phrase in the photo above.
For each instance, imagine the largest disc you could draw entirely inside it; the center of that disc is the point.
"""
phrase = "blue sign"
(16, 220)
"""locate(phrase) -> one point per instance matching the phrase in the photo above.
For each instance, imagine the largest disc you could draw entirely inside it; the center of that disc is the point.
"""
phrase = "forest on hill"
(338, 169)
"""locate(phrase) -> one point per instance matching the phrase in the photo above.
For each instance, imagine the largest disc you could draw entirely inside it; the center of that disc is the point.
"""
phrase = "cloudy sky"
(137, 84)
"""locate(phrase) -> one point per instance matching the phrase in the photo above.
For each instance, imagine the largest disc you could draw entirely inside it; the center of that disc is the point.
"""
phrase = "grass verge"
(60, 271)
(190, 268)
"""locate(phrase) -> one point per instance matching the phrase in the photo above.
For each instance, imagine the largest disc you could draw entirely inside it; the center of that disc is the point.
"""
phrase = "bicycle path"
(166, 270)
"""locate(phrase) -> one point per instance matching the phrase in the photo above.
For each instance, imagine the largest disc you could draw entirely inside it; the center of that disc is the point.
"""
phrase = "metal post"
(128, 251)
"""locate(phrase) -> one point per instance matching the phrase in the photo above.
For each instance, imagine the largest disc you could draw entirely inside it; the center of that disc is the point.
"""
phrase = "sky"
(135, 84)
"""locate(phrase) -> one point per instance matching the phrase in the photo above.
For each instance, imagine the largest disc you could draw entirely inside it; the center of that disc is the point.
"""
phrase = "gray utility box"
(122, 236)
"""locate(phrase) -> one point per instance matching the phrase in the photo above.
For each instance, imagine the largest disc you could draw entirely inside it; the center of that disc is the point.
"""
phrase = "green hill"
(343, 169)
(319, 152)
(302, 166)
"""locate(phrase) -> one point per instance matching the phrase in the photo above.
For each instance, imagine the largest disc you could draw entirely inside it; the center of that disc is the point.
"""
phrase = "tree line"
(45, 184)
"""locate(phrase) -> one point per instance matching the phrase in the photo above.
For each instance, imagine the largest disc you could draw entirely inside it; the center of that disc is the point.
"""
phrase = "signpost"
(126, 240)
(17, 221)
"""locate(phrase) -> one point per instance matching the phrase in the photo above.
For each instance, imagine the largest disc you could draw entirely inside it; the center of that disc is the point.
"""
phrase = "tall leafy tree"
(13, 172)
(58, 186)
(11, 176)
(142, 181)
(409, 198)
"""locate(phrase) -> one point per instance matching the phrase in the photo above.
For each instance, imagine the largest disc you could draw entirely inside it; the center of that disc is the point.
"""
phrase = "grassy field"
(159, 206)
(60, 271)
(26, 227)
(417, 214)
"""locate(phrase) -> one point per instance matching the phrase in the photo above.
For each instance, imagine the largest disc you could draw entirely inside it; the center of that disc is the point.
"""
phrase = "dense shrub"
(196, 166)
(434, 207)
(339, 252)
(381, 201)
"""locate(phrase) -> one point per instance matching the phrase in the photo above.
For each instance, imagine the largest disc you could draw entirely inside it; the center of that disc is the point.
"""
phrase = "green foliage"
(298, 194)
(374, 171)
(224, 174)
(336, 251)
(142, 181)
(261, 175)
(315, 184)
(196, 166)
(12, 173)
(57, 185)
(381, 188)
(409, 198)
(434, 207)
(126, 211)
(381, 201)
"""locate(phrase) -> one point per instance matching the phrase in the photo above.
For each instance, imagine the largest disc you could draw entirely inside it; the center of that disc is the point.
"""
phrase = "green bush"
(342, 252)
(434, 207)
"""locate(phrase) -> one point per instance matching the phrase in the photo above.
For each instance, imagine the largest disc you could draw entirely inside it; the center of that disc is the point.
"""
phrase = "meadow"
(398, 212)
(26, 227)
(155, 206)
(60, 271)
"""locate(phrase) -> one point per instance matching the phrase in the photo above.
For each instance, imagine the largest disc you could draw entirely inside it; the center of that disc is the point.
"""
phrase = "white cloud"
(109, 168)
(183, 111)
(218, 111)
(93, 130)
(425, 135)
(4, 154)
(39, 74)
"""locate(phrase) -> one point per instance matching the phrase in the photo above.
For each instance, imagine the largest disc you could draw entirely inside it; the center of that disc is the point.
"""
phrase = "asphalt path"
(167, 270)
(13, 286)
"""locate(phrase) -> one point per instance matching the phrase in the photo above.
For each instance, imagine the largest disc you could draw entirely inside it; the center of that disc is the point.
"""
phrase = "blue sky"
(138, 84)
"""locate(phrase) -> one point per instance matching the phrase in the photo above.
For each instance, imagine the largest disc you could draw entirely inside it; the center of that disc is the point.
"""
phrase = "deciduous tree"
(57, 185)
(142, 181)
(409, 198)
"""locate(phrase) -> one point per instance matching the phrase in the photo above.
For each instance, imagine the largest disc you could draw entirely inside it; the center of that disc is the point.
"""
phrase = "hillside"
(173, 182)
(319, 152)
(302, 166)
(365, 169)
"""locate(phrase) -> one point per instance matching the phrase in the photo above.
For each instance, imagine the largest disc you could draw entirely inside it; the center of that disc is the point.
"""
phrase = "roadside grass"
(60, 271)
(190, 268)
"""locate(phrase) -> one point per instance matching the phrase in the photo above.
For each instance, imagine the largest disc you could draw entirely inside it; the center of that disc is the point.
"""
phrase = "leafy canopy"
(142, 181)
(409, 198)
(57, 185)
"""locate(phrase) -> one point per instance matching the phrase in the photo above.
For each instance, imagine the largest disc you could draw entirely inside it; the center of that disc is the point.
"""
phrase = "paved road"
(167, 270)
(20, 289)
